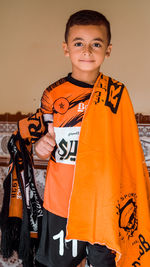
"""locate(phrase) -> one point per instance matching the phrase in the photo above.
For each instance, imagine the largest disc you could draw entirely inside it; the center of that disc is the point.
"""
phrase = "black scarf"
(21, 214)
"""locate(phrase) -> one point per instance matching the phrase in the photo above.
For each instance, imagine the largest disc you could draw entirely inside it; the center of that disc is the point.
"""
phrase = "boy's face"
(87, 47)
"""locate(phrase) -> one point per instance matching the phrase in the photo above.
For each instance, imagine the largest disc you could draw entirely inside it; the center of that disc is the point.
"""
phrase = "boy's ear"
(65, 48)
(108, 51)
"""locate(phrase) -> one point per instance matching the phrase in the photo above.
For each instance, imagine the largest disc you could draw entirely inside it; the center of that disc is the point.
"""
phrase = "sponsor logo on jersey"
(82, 107)
(67, 143)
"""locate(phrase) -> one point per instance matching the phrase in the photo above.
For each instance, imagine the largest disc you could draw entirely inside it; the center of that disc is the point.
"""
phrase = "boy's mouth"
(86, 60)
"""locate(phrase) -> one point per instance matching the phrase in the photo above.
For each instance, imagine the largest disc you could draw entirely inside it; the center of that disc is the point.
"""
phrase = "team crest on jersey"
(61, 105)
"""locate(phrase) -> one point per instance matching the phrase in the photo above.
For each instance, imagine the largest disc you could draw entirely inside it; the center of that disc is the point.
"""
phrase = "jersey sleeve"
(47, 106)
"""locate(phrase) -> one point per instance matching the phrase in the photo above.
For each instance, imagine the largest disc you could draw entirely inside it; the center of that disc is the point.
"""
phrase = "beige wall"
(31, 57)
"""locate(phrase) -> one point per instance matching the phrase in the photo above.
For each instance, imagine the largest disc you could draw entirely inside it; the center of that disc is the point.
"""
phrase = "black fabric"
(100, 256)
(10, 227)
(77, 82)
(53, 250)
(16, 231)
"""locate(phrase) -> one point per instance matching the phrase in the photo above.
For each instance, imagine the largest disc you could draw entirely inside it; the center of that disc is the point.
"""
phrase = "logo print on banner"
(115, 90)
(109, 96)
(127, 211)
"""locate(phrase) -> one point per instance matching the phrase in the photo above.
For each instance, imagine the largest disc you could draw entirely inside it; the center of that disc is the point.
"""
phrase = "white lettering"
(82, 107)
(67, 142)
(62, 243)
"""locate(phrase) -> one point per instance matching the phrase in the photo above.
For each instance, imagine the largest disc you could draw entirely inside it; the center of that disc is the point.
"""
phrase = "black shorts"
(101, 256)
(55, 251)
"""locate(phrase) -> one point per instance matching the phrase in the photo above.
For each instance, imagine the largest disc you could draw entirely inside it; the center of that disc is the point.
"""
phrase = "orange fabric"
(23, 193)
(33, 235)
(110, 201)
(32, 127)
(67, 102)
(58, 188)
(15, 205)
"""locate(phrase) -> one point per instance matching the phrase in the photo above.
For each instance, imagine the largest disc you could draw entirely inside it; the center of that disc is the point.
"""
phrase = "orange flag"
(110, 201)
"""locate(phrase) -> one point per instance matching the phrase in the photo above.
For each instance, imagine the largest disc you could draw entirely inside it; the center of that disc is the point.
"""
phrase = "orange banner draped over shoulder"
(110, 201)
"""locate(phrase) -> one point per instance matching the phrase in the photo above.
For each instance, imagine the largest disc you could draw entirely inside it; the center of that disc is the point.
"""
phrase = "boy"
(87, 44)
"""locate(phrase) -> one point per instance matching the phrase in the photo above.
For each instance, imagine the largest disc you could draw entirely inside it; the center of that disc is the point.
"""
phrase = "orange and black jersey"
(64, 102)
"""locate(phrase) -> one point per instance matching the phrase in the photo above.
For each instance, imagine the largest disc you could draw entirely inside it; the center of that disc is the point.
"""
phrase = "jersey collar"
(77, 82)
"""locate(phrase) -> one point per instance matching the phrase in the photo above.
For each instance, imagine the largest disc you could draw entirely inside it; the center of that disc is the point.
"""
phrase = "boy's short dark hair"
(87, 17)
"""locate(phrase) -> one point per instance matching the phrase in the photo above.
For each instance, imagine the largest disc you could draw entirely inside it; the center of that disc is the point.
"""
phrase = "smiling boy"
(87, 44)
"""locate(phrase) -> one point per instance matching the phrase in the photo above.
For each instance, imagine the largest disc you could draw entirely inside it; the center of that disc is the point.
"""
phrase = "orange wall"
(31, 56)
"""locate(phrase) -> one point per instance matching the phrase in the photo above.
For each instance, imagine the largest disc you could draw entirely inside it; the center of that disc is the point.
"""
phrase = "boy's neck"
(87, 77)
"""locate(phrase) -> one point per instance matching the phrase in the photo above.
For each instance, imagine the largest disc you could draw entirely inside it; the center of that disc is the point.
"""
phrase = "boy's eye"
(97, 45)
(78, 44)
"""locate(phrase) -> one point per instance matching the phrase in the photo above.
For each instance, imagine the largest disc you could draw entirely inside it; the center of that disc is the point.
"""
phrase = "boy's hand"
(45, 145)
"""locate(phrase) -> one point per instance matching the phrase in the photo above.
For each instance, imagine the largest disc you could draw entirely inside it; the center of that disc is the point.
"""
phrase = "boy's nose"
(87, 50)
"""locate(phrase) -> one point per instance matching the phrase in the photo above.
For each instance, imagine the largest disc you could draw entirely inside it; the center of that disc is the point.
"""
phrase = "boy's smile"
(87, 48)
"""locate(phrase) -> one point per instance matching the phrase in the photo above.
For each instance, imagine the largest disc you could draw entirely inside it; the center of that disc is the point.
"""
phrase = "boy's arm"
(45, 145)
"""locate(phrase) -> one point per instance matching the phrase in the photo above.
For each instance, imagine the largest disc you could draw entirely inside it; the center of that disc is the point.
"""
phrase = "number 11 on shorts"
(62, 243)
